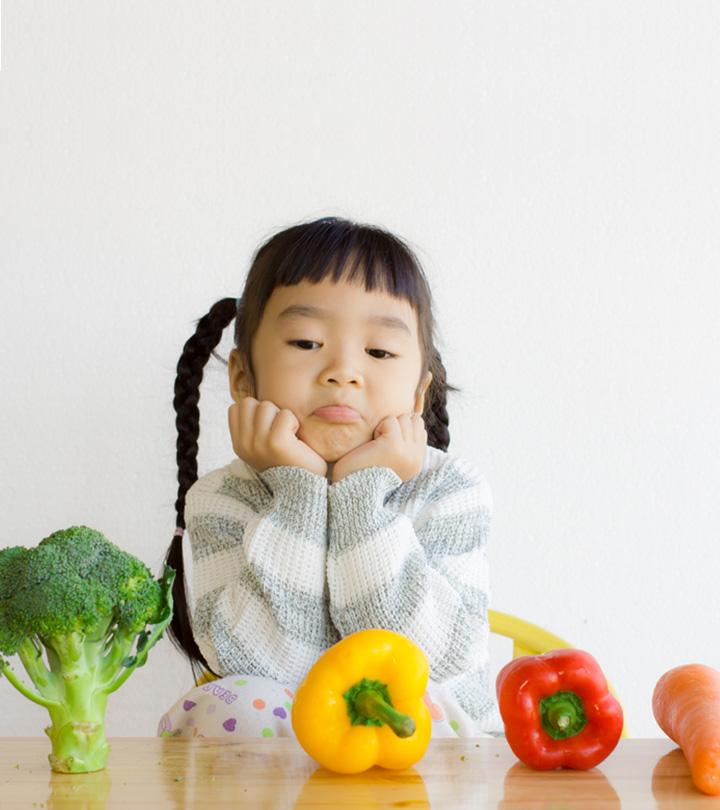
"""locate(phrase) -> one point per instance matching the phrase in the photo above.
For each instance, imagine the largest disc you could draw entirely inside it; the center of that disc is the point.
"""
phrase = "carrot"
(686, 706)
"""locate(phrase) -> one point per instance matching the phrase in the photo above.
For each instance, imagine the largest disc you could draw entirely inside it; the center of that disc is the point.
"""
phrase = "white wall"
(554, 163)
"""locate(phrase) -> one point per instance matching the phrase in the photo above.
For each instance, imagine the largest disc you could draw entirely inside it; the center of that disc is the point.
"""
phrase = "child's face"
(344, 360)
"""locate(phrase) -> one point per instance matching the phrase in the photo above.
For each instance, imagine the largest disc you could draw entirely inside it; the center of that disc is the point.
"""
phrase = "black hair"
(311, 251)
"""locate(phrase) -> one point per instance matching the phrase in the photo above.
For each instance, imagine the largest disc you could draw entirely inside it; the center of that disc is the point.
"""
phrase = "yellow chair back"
(206, 677)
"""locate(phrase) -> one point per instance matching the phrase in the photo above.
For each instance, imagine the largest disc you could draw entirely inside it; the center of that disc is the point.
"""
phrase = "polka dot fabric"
(254, 706)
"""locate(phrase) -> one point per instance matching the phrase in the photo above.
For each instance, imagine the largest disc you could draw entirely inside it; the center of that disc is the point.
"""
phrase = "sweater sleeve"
(421, 571)
(259, 551)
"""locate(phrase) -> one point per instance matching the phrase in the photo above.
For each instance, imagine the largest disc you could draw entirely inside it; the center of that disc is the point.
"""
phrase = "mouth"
(337, 413)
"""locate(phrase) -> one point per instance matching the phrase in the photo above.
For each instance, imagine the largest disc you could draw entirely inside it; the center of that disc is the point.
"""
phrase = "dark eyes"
(382, 351)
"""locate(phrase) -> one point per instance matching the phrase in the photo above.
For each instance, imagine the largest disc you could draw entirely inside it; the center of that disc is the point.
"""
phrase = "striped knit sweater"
(284, 564)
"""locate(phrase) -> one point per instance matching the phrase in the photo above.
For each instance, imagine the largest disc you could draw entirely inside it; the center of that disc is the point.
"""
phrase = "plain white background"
(555, 166)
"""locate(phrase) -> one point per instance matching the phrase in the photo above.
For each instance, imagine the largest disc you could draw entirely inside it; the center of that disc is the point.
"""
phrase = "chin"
(335, 441)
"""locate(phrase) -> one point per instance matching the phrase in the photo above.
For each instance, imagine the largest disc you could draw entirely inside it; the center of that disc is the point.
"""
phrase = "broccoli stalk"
(85, 604)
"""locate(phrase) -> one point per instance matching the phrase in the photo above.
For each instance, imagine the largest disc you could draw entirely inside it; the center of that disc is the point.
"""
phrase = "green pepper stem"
(371, 704)
(562, 715)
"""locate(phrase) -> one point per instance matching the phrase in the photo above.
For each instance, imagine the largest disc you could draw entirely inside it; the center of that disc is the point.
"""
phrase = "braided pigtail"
(435, 414)
(190, 367)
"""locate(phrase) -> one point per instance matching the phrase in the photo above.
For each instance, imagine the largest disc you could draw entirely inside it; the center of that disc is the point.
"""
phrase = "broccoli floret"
(86, 604)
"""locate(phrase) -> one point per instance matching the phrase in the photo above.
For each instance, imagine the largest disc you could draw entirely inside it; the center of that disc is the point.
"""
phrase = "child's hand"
(263, 435)
(398, 442)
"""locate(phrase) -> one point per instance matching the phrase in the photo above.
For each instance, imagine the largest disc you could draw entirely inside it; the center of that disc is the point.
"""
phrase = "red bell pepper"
(558, 711)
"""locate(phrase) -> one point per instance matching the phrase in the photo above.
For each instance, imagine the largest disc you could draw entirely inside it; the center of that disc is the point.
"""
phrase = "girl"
(342, 510)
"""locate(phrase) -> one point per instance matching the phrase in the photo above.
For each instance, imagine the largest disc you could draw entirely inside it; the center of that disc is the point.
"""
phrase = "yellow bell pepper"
(361, 704)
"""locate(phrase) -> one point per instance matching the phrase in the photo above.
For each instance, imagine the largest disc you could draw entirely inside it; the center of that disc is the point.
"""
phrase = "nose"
(342, 378)
(342, 371)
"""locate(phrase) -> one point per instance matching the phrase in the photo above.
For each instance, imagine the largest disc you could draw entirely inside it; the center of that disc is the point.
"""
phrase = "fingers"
(264, 436)
(250, 420)
(412, 427)
(284, 423)
(259, 416)
(388, 426)
(409, 427)
(406, 427)
(262, 420)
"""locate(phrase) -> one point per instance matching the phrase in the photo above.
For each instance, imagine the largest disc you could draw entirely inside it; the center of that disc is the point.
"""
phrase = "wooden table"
(181, 772)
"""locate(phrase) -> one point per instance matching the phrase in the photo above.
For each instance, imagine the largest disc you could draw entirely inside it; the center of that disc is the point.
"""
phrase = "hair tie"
(179, 531)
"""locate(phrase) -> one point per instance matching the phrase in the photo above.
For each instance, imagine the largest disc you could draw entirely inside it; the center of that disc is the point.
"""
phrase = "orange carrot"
(686, 705)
